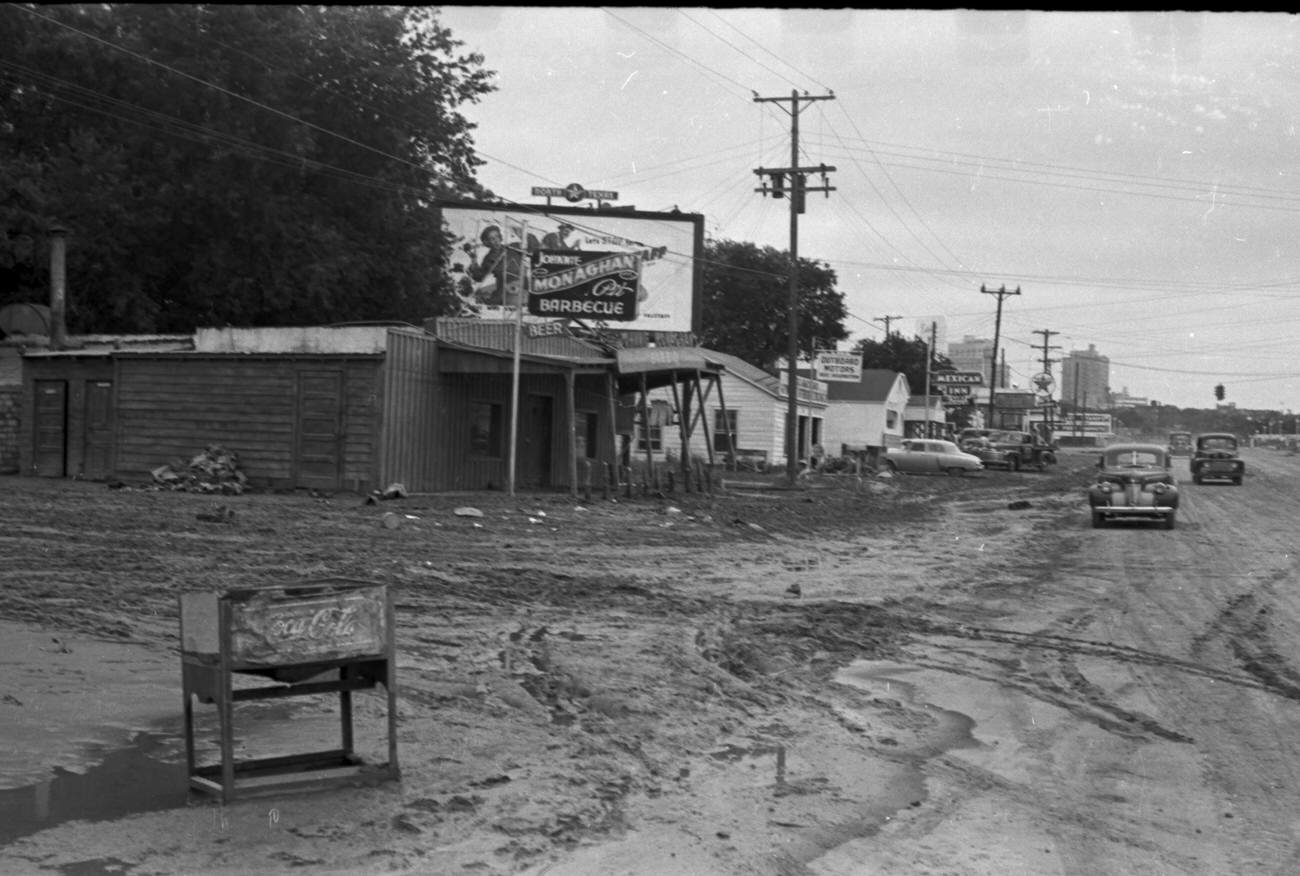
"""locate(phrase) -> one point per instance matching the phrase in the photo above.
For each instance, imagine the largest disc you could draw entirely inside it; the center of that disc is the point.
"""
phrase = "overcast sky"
(1135, 175)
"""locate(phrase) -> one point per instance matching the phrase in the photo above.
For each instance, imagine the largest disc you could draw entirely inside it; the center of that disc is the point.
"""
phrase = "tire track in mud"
(1214, 592)
(1056, 676)
(1253, 605)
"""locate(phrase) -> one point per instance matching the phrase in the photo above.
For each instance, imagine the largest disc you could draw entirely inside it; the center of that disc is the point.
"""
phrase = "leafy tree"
(231, 165)
(897, 353)
(746, 303)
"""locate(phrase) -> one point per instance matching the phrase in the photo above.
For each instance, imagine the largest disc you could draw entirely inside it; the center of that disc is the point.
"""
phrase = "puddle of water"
(128, 781)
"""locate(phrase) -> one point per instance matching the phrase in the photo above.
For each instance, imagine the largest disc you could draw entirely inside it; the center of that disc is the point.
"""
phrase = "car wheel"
(1169, 522)
(1237, 481)
(1196, 479)
(956, 472)
(1013, 463)
(1098, 520)
(891, 466)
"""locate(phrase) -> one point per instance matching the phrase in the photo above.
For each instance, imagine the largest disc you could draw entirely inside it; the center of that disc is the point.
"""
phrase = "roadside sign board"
(844, 367)
(960, 378)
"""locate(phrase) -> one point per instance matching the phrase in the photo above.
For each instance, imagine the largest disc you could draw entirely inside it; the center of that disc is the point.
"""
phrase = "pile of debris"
(215, 470)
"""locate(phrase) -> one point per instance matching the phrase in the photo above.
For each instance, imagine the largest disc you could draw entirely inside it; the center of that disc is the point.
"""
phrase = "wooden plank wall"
(172, 407)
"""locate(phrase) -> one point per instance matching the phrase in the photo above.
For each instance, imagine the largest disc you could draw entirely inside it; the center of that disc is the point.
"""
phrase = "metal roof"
(499, 336)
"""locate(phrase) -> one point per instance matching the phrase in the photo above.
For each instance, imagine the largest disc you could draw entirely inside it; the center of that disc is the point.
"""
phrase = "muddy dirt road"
(969, 679)
(1137, 710)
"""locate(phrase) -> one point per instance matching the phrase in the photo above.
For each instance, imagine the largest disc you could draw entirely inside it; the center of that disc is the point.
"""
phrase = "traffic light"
(1218, 391)
(778, 185)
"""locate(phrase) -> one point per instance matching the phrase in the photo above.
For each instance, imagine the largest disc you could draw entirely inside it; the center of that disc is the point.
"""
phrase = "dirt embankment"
(570, 672)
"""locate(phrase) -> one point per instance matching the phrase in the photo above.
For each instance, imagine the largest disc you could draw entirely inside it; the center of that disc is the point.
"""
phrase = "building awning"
(653, 367)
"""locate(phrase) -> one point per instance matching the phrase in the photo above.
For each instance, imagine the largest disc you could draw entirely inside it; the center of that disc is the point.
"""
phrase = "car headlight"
(1105, 486)
(1159, 488)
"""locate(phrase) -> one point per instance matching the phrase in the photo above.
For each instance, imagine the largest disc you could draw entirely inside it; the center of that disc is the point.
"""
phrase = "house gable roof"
(749, 373)
(875, 386)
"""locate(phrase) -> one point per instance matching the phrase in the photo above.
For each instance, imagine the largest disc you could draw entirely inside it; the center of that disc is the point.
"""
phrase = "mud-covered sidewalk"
(641, 685)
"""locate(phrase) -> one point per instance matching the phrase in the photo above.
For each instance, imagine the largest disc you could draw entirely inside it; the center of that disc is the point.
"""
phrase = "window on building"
(485, 438)
(655, 434)
(725, 434)
(891, 419)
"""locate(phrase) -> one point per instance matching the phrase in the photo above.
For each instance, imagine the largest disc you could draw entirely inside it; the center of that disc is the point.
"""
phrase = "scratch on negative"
(628, 79)
(1214, 196)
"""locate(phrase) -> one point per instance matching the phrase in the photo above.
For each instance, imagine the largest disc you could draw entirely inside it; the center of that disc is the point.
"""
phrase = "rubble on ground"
(215, 470)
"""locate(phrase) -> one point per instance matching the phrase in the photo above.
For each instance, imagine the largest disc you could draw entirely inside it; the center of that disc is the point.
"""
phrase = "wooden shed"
(364, 407)
(301, 407)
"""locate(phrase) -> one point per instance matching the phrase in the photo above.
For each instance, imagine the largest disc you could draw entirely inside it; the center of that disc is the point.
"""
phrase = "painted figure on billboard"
(559, 238)
(498, 275)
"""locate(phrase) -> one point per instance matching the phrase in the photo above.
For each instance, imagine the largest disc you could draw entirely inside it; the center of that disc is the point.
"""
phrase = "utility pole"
(997, 332)
(1046, 386)
(798, 177)
(887, 320)
(929, 357)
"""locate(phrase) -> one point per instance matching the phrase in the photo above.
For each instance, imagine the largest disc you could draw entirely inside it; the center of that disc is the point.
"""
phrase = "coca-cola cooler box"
(330, 636)
(287, 625)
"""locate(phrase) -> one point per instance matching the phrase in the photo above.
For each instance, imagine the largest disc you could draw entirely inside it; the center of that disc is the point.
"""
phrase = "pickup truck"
(1009, 449)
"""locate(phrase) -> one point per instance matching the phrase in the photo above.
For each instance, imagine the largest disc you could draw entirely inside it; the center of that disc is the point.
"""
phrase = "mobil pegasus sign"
(585, 285)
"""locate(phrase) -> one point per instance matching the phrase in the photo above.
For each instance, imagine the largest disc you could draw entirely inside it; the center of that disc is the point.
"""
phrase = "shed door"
(535, 442)
(99, 429)
(50, 430)
(319, 452)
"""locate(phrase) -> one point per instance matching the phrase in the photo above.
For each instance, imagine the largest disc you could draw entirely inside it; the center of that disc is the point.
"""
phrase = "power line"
(812, 79)
(727, 43)
(654, 39)
(226, 91)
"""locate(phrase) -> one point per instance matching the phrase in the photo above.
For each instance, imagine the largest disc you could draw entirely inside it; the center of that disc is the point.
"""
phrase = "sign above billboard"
(573, 193)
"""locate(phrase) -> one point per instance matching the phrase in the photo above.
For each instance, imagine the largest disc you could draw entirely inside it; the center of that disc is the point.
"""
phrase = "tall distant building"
(1123, 399)
(976, 354)
(1085, 379)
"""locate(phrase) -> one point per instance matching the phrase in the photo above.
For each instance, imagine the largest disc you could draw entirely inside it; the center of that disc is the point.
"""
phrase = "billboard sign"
(585, 285)
(845, 367)
(491, 248)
